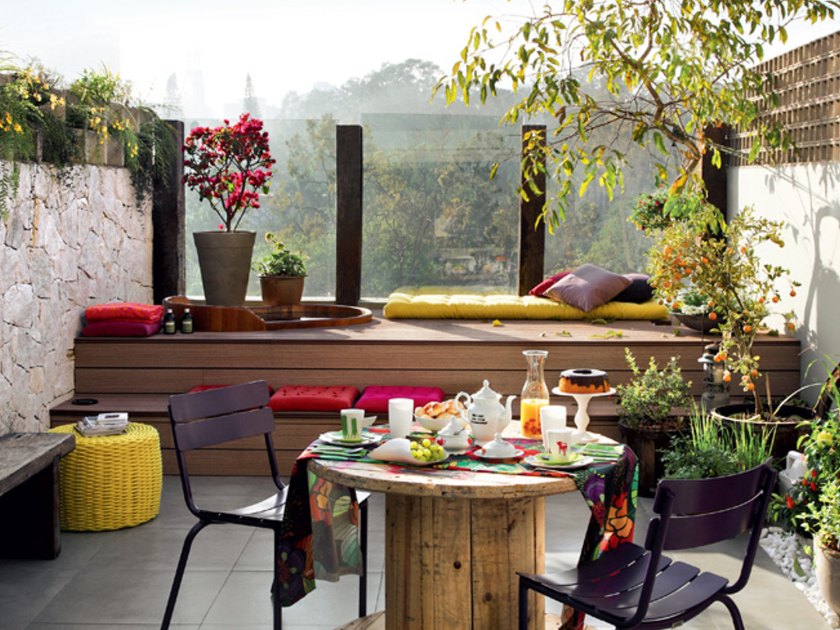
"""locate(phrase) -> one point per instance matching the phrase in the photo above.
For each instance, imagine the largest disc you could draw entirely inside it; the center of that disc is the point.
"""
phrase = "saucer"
(337, 438)
(545, 459)
(538, 463)
(478, 453)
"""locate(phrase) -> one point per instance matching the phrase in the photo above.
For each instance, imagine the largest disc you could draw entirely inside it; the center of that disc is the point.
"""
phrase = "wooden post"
(714, 178)
(531, 235)
(348, 229)
(168, 227)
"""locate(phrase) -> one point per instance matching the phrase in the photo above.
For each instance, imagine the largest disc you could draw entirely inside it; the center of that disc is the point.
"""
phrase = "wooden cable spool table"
(454, 540)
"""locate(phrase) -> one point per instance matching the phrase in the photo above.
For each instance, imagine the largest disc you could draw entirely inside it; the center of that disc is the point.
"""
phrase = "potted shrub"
(282, 274)
(645, 415)
(721, 262)
(229, 167)
(823, 521)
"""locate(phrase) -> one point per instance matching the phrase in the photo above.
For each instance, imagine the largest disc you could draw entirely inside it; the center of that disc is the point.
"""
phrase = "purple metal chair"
(638, 587)
(216, 416)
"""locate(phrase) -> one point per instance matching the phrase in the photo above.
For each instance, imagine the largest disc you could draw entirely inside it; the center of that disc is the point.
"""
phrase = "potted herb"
(823, 521)
(721, 261)
(229, 167)
(646, 415)
(282, 274)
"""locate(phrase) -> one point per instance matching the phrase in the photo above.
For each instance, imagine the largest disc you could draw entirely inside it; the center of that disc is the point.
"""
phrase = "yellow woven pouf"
(111, 481)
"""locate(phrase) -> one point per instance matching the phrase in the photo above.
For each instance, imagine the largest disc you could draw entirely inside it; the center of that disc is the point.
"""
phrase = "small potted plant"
(645, 415)
(228, 166)
(823, 521)
(692, 310)
(282, 274)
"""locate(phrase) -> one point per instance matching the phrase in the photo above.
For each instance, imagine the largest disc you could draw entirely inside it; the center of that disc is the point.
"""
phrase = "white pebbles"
(787, 550)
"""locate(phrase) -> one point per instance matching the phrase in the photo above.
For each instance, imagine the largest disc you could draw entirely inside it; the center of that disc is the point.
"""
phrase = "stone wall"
(72, 238)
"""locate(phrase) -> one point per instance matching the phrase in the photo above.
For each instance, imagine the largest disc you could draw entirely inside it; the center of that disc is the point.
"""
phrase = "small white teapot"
(485, 413)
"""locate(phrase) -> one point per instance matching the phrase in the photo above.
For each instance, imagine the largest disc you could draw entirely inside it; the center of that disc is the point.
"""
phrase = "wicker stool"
(111, 481)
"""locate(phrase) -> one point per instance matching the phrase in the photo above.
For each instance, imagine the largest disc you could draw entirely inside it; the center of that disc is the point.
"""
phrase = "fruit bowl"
(432, 424)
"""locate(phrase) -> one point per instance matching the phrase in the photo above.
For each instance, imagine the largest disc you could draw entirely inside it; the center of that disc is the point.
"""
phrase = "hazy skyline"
(285, 45)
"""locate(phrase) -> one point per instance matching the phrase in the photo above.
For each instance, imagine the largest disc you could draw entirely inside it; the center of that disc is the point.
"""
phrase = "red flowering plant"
(229, 166)
(798, 508)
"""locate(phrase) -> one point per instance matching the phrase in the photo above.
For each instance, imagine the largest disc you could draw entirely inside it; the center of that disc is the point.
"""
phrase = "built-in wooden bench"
(137, 375)
(29, 499)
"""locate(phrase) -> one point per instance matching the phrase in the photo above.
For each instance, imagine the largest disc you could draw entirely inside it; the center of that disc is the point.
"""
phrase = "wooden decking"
(138, 375)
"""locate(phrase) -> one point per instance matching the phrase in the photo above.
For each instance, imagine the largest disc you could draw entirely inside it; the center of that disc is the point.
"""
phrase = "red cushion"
(546, 284)
(376, 398)
(120, 329)
(124, 312)
(313, 398)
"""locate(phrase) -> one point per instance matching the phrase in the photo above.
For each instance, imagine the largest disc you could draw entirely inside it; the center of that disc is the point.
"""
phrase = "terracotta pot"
(648, 445)
(225, 262)
(787, 427)
(827, 569)
(281, 290)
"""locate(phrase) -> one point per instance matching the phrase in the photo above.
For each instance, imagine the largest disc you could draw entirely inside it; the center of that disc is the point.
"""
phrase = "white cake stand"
(582, 415)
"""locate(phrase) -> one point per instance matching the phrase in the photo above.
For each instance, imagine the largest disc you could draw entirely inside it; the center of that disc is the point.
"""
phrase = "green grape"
(427, 453)
(426, 442)
(414, 446)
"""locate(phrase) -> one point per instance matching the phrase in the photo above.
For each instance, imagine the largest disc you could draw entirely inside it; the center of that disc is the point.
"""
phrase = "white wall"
(807, 198)
(72, 238)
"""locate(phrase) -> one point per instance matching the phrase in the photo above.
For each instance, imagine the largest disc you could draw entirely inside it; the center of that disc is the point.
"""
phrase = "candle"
(529, 414)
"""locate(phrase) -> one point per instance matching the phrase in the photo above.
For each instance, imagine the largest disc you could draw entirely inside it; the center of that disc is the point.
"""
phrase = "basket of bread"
(435, 415)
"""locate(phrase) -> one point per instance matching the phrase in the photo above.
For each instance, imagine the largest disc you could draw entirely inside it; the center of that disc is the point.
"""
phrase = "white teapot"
(485, 413)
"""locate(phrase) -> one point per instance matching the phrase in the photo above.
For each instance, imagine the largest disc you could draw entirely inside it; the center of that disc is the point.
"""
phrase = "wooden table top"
(430, 482)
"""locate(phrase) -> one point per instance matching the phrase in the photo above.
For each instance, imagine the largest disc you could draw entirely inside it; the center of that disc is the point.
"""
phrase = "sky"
(285, 45)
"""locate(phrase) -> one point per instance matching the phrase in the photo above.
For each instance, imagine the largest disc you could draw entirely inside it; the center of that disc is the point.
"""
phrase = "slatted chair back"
(698, 512)
(216, 416)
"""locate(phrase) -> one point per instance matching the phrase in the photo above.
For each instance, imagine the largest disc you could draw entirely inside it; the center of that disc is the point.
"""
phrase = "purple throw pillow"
(638, 292)
(588, 287)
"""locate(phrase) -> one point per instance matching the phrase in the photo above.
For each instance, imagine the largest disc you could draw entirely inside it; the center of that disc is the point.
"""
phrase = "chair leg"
(179, 573)
(275, 585)
(737, 622)
(523, 604)
(363, 543)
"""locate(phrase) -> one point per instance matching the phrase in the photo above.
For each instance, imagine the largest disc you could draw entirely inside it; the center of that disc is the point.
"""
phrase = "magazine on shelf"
(103, 424)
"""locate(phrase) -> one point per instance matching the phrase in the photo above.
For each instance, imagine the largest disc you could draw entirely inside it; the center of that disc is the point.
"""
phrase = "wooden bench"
(138, 375)
(29, 501)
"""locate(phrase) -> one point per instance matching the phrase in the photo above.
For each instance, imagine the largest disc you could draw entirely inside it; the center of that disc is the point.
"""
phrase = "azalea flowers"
(229, 166)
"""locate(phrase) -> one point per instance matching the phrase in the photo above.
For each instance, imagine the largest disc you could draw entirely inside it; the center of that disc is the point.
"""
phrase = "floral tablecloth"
(321, 526)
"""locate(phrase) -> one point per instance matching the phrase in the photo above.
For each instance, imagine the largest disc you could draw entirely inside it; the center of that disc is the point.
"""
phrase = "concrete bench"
(29, 503)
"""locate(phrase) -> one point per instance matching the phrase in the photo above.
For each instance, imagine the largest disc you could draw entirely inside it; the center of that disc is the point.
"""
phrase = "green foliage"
(648, 399)
(665, 71)
(280, 261)
(823, 519)
(714, 450)
(722, 263)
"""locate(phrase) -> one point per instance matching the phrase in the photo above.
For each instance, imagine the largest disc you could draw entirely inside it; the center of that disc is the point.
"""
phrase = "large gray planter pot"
(827, 569)
(225, 262)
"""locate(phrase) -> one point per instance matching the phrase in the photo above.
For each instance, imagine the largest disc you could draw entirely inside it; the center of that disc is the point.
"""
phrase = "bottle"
(534, 394)
(169, 322)
(186, 322)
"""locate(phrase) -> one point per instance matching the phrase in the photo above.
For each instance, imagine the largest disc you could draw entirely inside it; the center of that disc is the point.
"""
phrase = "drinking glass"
(400, 416)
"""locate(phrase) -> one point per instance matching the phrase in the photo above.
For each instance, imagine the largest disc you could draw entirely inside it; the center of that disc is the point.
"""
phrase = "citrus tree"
(663, 71)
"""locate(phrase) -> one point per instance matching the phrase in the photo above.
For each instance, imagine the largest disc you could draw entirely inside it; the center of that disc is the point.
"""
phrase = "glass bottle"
(187, 321)
(534, 394)
(169, 322)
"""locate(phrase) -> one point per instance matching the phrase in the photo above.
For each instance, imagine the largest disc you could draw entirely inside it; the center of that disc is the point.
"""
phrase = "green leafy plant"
(713, 450)
(280, 261)
(823, 519)
(668, 71)
(720, 260)
(647, 401)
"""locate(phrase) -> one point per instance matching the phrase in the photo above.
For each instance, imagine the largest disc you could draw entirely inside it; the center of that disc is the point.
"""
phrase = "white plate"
(516, 455)
(336, 439)
(536, 462)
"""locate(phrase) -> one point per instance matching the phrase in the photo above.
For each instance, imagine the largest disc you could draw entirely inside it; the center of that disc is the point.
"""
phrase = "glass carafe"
(534, 394)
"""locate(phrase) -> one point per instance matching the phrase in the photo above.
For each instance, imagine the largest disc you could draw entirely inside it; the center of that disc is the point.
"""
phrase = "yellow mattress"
(453, 303)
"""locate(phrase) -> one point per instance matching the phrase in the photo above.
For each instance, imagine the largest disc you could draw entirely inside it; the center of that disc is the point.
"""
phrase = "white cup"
(560, 443)
(400, 416)
(351, 424)
(551, 417)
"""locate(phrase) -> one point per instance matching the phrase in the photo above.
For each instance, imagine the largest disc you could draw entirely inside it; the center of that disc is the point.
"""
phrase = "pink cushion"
(124, 312)
(588, 287)
(375, 398)
(313, 398)
(207, 388)
(120, 329)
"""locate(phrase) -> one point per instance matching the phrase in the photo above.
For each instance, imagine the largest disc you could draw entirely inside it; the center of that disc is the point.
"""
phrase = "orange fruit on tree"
(761, 300)
(754, 373)
(713, 316)
(792, 293)
(727, 376)
(750, 386)
(748, 329)
(791, 325)
(775, 299)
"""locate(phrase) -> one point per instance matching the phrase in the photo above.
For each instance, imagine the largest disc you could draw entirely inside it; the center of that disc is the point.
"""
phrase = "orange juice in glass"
(529, 414)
